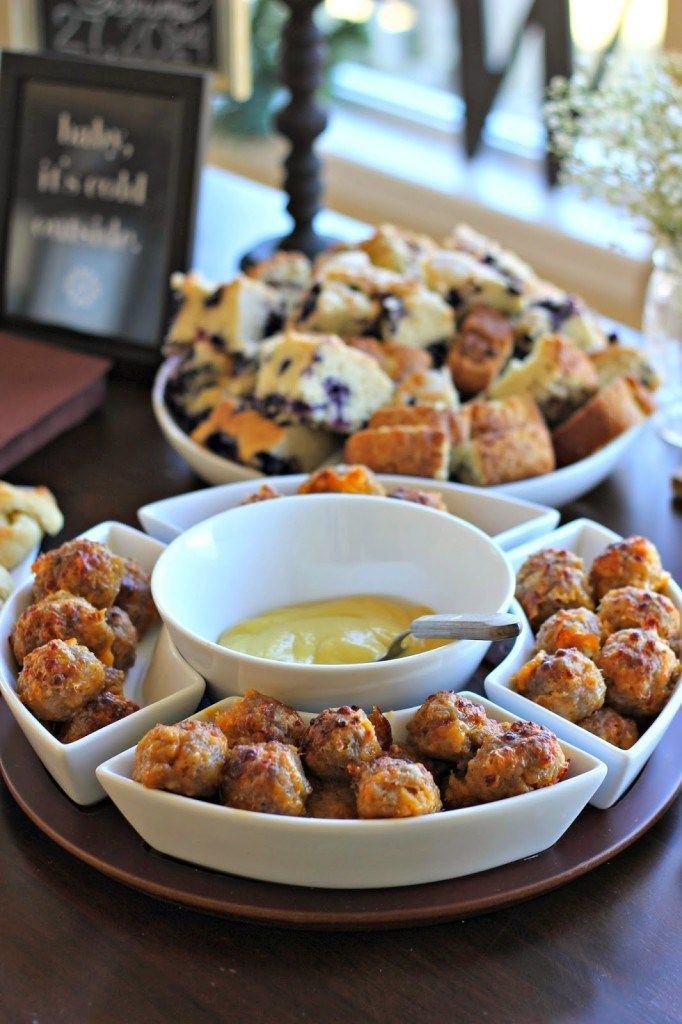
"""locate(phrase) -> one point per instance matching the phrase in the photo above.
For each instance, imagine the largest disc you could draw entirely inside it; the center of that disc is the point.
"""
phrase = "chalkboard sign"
(98, 175)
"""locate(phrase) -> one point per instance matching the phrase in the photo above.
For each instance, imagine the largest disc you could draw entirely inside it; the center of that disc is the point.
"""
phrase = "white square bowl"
(160, 681)
(333, 854)
(587, 539)
(508, 521)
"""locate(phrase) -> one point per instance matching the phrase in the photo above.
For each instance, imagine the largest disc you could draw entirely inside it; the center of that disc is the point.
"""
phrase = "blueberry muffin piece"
(398, 361)
(289, 273)
(464, 282)
(430, 387)
(398, 250)
(415, 316)
(464, 238)
(333, 307)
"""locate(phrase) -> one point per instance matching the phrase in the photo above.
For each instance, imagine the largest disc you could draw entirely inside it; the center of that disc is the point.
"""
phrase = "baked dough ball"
(265, 777)
(19, 533)
(6, 585)
(635, 608)
(258, 719)
(58, 678)
(337, 738)
(135, 596)
(639, 669)
(61, 616)
(37, 502)
(449, 727)
(550, 580)
(124, 646)
(394, 788)
(102, 710)
(522, 757)
(612, 727)
(632, 562)
(332, 800)
(567, 683)
(570, 627)
(83, 567)
(186, 758)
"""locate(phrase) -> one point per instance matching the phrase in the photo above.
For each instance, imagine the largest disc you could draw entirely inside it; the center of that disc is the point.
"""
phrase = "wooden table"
(77, 947)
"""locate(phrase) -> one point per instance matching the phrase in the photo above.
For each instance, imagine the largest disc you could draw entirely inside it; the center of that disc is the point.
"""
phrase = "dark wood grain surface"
(77, 947)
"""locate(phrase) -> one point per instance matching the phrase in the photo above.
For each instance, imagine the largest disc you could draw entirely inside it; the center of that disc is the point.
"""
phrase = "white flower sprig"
(623, 141)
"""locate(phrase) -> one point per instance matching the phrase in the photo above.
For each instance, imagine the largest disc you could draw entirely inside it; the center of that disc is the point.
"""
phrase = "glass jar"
(662, 327)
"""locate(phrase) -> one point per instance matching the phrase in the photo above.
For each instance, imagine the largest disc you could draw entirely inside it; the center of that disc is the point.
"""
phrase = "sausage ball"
(58, 678)
(264, 493)
(635, 608)
(135, 596)
(114, 679)
(449, 727)
(332, 800)
(124, 646)
(570, 627)
(337, 738)
(522, 757)
(612, 727)
(186, 758)
(258, 719)
(408, 752)
(550, 580)
(266, 777)
(394, 788)
(639, 669)
(98, 712)
(566, 682)
(61, 616)
(82, 567)
(633, 562)
(419, 497)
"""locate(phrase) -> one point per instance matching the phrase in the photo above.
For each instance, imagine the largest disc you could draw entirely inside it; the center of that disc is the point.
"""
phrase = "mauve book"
(44, 390)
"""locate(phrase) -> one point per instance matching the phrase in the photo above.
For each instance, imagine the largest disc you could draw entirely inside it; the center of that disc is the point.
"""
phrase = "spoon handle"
(466, 627)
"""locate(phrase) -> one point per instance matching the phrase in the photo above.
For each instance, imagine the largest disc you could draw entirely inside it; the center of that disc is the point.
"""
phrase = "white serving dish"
(557, 488)
(508, 521)
(252, 559)
(160, 681)
(333, 854)
(587, 539)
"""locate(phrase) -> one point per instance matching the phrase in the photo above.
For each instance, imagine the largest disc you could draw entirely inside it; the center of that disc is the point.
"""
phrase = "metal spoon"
(500, 626)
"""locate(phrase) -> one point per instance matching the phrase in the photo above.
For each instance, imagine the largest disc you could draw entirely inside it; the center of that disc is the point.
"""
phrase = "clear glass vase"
(662, 327)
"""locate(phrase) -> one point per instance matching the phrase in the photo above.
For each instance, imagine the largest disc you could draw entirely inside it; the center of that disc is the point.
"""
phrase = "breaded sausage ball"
(566, 682)
(266, 777)
(612, 727)
(61, 616)
(635, 608)
(59, 678)
(186, 758)
(418, 497)
(550, 580)
(337, 738)
(332, 800)
(394, 788)
(114, 679)
(123, 648)
(258, 719)
(135, 596)
(639, 669)
(633, 562)
(570, 627)
(98, 712)
(82, 567)
(449, 727)
(523, 757)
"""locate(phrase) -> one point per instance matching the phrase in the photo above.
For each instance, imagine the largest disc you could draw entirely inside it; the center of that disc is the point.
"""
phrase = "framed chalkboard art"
(99, 167)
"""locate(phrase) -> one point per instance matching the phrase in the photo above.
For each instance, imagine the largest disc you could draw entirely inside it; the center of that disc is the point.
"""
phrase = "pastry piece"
(244, 435)
(556, 312)
(549, 580)
(37, 502)
(19, 534)
(316, 379)
(486, 417)
(631, 562)
(413, 315)
(289, 273)
(191, 291)
(420, 497)
(398, 250)
(332, 307)
(612, 411)
(465, 282)
(610, 726)
(621, 361)
(480, 350)
(398, 361)
(566, 682)
(498, 457)
(6, 585)
(408, 450)
(338, 258)
(411, 416)
(465, 239)
(640, 670)
(557, 374)
(342, 480)
(431, 387)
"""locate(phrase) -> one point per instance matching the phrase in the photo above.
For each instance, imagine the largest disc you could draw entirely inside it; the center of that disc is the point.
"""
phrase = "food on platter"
(607, 655)
(676, 484)
(494, 442)
(321, 351)
(259, 755)
(75, 642)
(26, 513)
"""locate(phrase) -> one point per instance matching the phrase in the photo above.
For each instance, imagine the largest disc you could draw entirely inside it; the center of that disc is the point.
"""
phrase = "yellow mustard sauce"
(340, 631)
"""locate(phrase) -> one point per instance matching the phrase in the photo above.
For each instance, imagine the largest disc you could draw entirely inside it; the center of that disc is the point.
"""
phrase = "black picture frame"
(190, 91)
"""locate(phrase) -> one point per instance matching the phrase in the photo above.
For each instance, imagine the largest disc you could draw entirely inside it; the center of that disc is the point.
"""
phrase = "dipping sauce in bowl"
(339, 631)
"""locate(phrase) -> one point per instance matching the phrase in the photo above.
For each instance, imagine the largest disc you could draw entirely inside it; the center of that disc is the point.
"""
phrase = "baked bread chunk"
(332, 307)
(464, 238)
(316, 379)
(464, 282)
(431, 387)
(620, 361)
(481, 349)
(398, 250)
(413, 315)
(499, 441)
(289, 273)
(398, 361)
(557, 374)
(610, 413)
(411, 416)
(408, 450)
(556, 312)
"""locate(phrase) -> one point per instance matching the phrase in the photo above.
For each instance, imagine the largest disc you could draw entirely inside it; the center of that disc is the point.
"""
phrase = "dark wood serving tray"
(101, 837)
